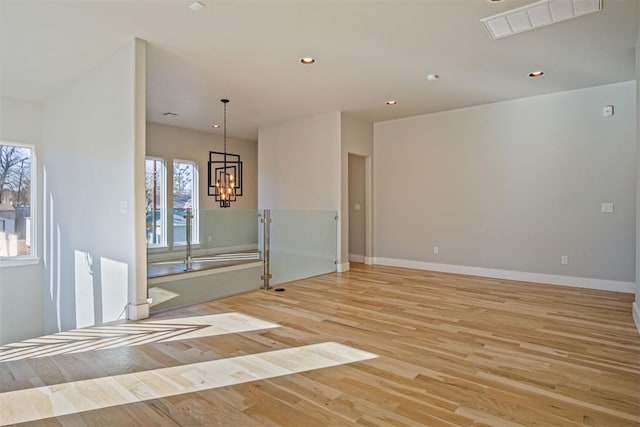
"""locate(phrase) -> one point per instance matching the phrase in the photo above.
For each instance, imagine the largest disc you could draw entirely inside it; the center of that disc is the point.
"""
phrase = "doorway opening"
(358, 208)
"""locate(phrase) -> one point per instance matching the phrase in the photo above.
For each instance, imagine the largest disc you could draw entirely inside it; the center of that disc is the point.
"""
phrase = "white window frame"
(163, 201)
(195, 201)
(32, 257)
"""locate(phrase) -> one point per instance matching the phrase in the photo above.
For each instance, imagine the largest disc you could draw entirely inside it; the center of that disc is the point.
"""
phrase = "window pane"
(154, 201)
(15, 201)
(184, 197)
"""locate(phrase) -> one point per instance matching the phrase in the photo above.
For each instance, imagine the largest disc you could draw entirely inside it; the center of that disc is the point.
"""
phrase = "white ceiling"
(367, 53)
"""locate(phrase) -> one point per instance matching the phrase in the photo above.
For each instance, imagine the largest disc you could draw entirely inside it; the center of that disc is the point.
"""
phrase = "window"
(17, 223)
(155, 206)
(185, 195)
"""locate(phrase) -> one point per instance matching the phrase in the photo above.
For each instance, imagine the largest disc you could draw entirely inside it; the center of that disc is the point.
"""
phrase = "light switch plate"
(606, 208)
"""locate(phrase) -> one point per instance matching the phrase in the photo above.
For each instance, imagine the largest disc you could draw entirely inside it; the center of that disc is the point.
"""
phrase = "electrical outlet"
(564, 260)
(606, 207)
(436, 250)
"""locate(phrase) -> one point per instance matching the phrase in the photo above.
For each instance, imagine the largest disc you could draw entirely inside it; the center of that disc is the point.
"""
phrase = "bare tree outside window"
(182, 180)
(185, 196)
(15, 200)
(155, 201)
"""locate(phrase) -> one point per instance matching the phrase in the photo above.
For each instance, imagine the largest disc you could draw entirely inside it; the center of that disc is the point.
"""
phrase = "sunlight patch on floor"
(69, 398)
(131, 334)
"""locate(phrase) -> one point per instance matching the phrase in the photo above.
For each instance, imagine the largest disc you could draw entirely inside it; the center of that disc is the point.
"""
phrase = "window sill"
(184, 245)
(157, 249)
(18, 261)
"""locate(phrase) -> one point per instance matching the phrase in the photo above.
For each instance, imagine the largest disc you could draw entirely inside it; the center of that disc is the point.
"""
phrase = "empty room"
(319, 212)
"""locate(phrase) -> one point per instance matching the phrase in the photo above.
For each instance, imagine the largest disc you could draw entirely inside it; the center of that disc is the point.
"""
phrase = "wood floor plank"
(452, 350)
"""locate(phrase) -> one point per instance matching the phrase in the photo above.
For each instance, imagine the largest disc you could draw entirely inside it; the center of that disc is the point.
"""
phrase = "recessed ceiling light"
(307, 60)
(494, 1)
(392, 102)
(216, 126)
(433, 77)
(170, 114)
(196, 6)
(538, 73)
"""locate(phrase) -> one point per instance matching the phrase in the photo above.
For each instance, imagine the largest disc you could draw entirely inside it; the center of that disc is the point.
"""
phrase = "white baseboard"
(356, 258)
(341, 268)
(636, 316)
(138, 312)
(550, 279)
(368, 260)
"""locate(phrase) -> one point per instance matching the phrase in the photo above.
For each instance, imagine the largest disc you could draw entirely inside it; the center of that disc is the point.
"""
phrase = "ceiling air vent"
(536, 15)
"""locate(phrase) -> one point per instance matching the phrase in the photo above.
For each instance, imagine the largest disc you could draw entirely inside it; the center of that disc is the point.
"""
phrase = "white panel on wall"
(114, 277)
(84, 298)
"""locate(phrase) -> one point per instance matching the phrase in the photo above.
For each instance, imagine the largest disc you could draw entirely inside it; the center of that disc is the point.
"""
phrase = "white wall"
(21, 286)
(356, 138)
(93, 158)
(513, 185)
(636, 308)
(138, 306)
(299, 169)
(299, 164)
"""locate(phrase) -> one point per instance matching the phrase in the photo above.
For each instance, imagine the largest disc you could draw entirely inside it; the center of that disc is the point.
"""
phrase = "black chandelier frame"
(221, 163)
(223, 169)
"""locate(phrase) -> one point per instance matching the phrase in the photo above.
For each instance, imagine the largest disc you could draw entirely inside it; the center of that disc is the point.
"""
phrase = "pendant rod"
(225, 102)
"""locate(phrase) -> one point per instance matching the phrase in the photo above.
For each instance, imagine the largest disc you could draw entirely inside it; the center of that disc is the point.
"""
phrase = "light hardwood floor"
(452, 350)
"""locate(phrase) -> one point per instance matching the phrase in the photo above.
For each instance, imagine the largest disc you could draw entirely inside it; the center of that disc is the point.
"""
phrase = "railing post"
(266, 243)
(188, 218)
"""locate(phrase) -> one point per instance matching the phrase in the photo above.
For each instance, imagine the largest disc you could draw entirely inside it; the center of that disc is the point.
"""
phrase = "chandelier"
(224, 171)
